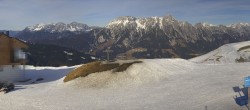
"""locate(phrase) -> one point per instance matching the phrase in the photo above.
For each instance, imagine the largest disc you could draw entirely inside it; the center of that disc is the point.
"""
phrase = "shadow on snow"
(242, 99)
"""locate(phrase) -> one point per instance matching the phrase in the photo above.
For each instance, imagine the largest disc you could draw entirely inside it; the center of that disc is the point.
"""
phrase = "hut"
(12, 58)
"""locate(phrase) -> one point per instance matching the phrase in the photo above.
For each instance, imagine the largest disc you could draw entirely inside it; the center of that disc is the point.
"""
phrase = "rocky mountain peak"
(122, 21)
(135, 23)
(170, 18)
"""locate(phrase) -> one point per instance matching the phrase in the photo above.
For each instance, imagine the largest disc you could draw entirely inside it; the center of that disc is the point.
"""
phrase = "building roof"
(18, 42)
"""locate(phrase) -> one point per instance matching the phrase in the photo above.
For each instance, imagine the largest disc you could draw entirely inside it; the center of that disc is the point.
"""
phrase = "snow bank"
(149, 71)
(29, 67)
(156, 84)
(49, 74)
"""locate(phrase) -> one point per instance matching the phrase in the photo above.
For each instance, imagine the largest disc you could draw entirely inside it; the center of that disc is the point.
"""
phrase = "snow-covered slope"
(135, 75)
(229, 53)
(159, 84)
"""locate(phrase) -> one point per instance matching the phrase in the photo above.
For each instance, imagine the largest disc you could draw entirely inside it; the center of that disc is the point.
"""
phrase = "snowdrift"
(149, 70)
(155, 84)
(229, 53)
(98, 66)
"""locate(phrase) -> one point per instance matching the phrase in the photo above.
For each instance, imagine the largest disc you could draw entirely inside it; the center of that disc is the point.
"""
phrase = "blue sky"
(17, 14)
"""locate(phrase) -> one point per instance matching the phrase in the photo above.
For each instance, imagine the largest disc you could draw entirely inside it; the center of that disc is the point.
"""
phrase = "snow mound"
(228, 53)
(150, 70)
(171, 83)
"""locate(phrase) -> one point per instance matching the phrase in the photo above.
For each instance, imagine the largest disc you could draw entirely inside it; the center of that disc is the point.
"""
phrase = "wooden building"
(11, 57)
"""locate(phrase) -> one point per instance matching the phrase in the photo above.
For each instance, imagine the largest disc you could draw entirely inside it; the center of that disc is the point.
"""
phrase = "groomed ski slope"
(159, 84)
(228, 53)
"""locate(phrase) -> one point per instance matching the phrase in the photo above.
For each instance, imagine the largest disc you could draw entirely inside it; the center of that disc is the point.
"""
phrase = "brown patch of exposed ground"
(97, 66)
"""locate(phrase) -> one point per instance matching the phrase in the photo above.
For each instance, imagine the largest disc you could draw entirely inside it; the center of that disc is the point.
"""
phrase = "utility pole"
(108, 51)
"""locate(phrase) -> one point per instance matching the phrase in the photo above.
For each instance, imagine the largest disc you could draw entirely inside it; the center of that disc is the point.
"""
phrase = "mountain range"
(131, 37)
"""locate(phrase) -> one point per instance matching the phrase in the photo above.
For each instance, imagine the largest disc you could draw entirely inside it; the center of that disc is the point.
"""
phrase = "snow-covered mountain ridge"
(141, 22)
(59, 27)
(238, 25)
(160, 37)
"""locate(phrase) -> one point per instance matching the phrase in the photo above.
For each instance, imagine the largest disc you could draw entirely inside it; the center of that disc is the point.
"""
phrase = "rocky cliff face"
(166, 37)
(153, 37)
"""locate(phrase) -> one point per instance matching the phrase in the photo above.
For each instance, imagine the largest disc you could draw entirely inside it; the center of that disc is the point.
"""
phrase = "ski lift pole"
(108, 52)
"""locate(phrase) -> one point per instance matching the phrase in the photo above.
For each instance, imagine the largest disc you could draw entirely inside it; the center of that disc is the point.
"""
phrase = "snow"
(139, 24)
(37, 27)
(205, 82)
(89, 30)
(207, 24)
(68, 53)
(238, 25)
(101, 39)
(117, 22)
(170, 19)
(169, 84)
(125, 22)
(59, 27)
(228, 53)
(114, 23)
(158, 21)
(161, 22)
(72, 29)
(155, 20)
(125, 42)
